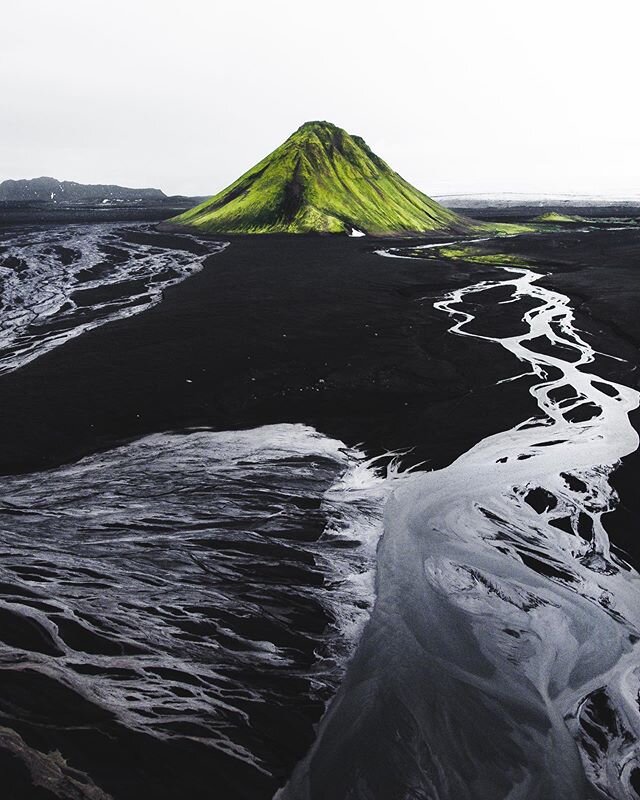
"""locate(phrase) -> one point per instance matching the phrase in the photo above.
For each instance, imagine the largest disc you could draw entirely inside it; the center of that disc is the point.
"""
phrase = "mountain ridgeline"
(322, 180)
(51, 190)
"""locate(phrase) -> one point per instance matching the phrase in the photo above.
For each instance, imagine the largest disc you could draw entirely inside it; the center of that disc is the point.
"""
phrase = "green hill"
(322, 180)
(557, 216)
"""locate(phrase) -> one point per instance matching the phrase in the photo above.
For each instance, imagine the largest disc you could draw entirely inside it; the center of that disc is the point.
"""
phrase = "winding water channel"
(501, 658)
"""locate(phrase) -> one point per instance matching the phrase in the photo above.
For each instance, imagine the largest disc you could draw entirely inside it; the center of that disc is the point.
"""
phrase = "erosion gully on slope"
(501, 658)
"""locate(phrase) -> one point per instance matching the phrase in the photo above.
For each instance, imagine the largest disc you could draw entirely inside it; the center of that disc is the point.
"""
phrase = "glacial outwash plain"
(318, 489)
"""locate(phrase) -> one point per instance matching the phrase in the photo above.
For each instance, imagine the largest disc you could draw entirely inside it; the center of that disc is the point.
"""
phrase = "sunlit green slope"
(322, 180)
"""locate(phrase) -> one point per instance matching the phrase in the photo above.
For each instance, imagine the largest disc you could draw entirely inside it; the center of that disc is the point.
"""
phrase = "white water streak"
(44, 273)
(501, 659)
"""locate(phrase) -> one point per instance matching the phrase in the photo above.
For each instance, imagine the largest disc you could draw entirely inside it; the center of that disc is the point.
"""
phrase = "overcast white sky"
(465, 96)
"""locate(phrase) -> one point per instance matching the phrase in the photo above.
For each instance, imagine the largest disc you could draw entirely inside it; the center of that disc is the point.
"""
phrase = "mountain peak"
(319, 125)
(321, 180)
(318, 130)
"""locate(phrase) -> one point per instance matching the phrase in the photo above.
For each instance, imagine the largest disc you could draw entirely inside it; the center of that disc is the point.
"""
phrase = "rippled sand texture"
(58, 282)
(501, 659)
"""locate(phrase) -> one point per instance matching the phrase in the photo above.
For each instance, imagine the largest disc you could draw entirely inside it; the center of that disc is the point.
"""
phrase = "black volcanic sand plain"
(274, 329)
(324, 331)
(45, 213)
(289, 329)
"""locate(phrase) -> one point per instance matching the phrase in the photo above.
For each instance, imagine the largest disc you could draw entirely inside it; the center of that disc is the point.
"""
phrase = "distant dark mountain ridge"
(47, 189)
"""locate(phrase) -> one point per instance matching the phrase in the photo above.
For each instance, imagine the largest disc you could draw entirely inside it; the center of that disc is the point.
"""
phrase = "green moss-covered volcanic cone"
(321, 180)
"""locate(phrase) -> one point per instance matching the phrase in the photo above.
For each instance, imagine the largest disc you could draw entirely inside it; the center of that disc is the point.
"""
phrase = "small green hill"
(322, 180)
(556, 216)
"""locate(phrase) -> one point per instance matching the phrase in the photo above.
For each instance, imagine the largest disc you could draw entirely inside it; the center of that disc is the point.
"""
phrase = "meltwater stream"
(183, 605)
(501, 659)
(56, 283)
(192, 595)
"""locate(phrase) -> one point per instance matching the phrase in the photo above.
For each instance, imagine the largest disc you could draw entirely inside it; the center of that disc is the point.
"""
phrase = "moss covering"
(322, 180)
(484, 253)
(556, 216)
(475, 255)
